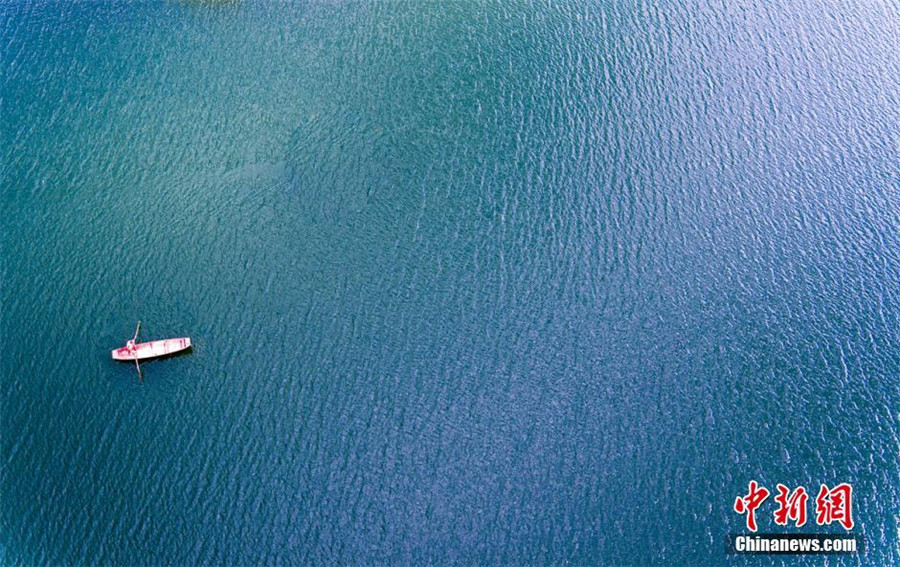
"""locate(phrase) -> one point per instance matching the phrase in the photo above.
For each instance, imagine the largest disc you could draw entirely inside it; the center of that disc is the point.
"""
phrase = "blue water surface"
(469, 283)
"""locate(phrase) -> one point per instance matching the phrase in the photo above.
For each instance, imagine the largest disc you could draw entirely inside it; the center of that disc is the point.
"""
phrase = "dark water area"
(468, 283)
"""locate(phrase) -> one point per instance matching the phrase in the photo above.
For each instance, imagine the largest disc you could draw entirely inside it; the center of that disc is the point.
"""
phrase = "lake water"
(468, 283)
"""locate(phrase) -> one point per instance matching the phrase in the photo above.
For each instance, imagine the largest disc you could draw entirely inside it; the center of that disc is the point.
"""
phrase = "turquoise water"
(468, 283)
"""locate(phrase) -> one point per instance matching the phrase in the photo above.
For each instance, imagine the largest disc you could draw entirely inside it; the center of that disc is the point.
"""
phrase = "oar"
(136, 363)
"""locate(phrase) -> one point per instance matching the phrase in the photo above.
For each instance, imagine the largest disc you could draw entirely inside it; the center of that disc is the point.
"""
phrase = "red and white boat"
(140, 351)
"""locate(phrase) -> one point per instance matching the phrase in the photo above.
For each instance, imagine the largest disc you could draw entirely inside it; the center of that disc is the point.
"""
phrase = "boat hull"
(152, 349)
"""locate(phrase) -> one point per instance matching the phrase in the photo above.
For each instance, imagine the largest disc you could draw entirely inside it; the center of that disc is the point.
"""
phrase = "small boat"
(140, 351)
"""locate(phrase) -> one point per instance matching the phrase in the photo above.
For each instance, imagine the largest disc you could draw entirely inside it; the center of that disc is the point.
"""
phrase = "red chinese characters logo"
(835, 505)
(791, 507)
(832, 505)
(748, 504)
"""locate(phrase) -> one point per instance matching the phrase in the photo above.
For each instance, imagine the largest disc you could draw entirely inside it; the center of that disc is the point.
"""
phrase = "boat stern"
(121, 354)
